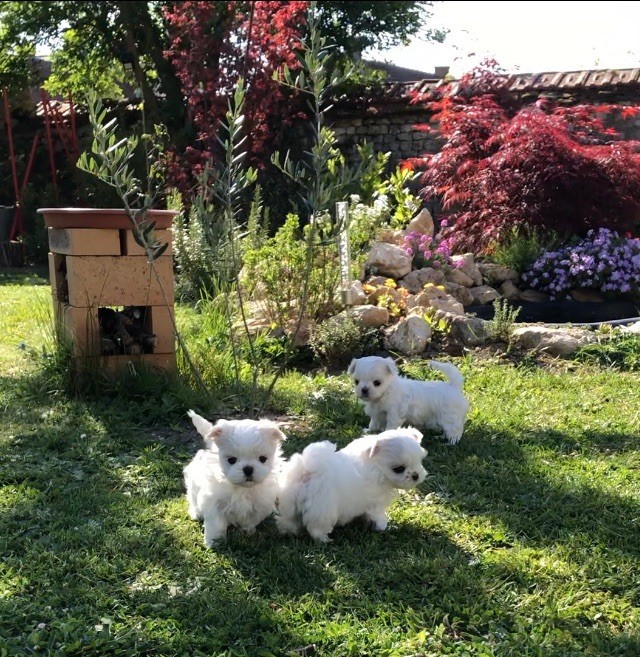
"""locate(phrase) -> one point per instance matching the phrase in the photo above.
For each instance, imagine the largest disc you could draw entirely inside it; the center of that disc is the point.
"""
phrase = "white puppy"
(322, 488)
(233, 481)
(391, 400)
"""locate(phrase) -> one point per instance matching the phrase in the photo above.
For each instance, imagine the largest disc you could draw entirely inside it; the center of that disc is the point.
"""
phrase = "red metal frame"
(66, 133)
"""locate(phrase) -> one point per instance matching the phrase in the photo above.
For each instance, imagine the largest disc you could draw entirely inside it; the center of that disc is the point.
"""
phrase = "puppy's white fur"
(233, 481)
(323, 488)
(391, 400)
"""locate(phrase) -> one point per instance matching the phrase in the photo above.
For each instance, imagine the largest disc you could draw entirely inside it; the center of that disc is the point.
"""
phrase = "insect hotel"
(108, 301)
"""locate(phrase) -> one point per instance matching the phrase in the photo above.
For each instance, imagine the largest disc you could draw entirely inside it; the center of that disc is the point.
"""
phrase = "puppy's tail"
(450, 371)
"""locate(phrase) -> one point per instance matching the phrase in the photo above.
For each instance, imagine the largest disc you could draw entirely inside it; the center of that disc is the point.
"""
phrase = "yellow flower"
(390, 283)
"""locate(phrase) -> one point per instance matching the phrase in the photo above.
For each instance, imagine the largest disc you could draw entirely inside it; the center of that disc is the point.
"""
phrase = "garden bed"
(563, 312)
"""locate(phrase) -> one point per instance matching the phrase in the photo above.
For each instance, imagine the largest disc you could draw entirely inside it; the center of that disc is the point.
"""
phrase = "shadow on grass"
(97, 546)
(90, 535)
(490, 473)
(24, 276)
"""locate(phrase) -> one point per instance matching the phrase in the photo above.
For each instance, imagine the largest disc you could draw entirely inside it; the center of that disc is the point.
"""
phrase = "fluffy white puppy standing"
(391, 400)
(233, 481)
(323, 488)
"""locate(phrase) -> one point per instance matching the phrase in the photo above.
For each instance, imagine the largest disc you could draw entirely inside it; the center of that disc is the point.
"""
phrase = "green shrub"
(336, 341)
(616, 349)
(500, 327)
(521, 248)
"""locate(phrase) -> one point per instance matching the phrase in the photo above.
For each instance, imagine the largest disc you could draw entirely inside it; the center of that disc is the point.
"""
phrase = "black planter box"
(563, 312)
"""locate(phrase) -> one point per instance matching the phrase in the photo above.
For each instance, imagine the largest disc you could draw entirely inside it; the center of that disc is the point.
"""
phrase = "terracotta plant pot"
(101, 218)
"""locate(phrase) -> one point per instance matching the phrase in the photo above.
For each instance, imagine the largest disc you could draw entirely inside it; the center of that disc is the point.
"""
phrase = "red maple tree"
(502, 165)
(212, 44)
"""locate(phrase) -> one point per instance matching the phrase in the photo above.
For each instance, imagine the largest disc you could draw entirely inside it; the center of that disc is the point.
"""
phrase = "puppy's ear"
(413, 433)
(352, 367)
(208, 431)
(271, 430)
(374, 449)
(391, 366)
(213, 437)
(202, 426)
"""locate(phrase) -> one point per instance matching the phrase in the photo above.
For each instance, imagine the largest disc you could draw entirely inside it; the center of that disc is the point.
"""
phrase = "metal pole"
(52, 162)
(342, 217)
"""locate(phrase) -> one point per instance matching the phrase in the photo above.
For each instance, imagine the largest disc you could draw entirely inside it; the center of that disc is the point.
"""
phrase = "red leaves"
(208, 47)
(561, 168)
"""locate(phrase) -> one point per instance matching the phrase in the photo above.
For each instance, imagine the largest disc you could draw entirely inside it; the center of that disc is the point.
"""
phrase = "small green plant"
(404, 201)
(278, 270)
(500, 327)
(440, 327)
(202, 246)
(615, 349)
(521, 248)
(339, 339)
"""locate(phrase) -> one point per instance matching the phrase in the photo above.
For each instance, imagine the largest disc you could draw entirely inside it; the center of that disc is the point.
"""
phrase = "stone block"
(131, 247)
(118, 281)
(84, 241)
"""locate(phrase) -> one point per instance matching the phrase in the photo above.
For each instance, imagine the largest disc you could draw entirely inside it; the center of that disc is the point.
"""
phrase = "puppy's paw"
(320, 536)
(212, 541)
(378, 522)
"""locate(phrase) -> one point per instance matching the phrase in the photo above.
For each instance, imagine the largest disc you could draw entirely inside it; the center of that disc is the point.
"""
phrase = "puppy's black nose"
(364, 392)
(415, 476)
(248, 470)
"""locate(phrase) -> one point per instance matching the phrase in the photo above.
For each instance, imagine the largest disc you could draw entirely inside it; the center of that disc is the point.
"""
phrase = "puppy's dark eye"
(356, 382)
(262, 459)
(376, 383)
(399, 469)
(231, 460)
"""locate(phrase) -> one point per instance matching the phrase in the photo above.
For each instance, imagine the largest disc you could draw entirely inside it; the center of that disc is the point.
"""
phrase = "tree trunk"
(126, 16)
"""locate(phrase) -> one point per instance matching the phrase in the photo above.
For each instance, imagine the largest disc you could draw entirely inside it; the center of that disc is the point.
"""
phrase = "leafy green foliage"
(278, 270)
(336, 341)
(110, 160)
(89, 39)
(615, 349)
(356, 26)
(100, 557)
(521, 247)
(80, 65)
(500, 327)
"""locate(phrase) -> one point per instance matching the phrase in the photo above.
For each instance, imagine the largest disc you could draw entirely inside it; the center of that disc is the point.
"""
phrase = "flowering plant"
(604, 260)
(427, 251)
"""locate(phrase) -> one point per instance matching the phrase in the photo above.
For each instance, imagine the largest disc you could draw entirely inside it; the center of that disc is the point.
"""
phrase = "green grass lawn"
(523, 540)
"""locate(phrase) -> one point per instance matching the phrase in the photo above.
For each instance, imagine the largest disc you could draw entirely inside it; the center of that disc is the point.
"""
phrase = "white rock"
(391, 236)
(553, 341)
(458, 277)
(484, 294)
(509, 291)
(409, 336)
(495, 274)
(631, 328)
(460, 293)
(416, 280)
(467, 264)
(389, 260)
(421, 223)
(358, 295)
(373, 316)
(433, 296)
(465, 330)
